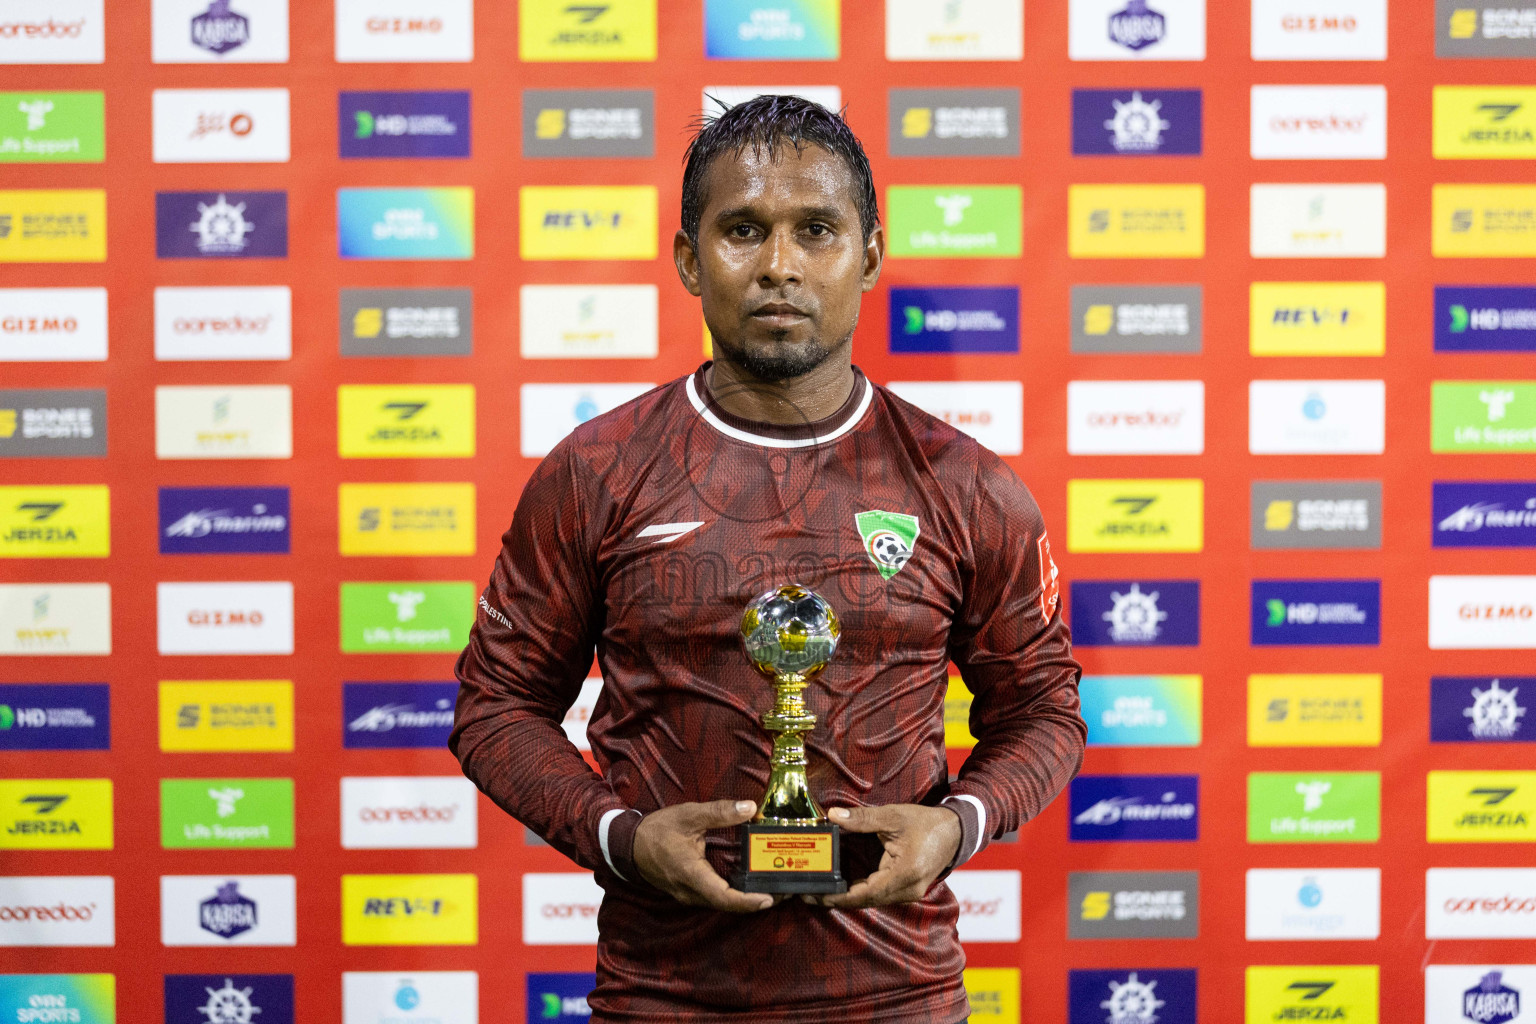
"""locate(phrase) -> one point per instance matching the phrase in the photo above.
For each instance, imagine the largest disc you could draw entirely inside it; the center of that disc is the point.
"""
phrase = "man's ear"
(874, 257)
(686, 258)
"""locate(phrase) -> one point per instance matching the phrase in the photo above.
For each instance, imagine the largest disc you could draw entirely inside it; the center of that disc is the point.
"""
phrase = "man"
(647, 531)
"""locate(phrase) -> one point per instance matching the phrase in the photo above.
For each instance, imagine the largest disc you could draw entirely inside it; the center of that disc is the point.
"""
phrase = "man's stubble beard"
(779, 365)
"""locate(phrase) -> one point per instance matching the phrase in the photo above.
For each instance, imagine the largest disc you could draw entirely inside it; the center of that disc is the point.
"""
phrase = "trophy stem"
(788, 800)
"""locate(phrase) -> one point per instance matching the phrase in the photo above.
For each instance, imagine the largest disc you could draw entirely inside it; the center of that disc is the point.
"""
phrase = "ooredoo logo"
(990, 906)
(408, 812)
(1480, 903)
(560, 909)
(51, 32)
(57, 910)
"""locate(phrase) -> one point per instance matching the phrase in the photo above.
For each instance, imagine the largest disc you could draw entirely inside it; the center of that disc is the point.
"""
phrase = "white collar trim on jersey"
(780, 442)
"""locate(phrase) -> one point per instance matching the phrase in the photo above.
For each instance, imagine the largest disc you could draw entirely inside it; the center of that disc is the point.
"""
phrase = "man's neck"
(805, 399)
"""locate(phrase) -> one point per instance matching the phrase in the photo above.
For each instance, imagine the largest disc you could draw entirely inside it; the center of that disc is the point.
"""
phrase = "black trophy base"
(790, 859)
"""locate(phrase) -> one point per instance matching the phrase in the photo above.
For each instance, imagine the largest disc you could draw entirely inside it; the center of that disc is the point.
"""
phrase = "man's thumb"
(855, 819)
(722, 813)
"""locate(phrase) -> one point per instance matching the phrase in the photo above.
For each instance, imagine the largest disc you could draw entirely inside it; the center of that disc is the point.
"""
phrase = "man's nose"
(779, 259)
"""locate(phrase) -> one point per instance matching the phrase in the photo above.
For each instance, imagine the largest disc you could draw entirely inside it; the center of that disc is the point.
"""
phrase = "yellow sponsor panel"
(1485, 122)
(1317, 318)
(66, 225)
(1482, 807)
(1484, 220)
(64, 521)
(1338, 993)
(1136, 221)
(994, 994)
(1135, 515)
(410, 910)
(55, 814)
(407, 519)
(245, 715)
(1314, 710)
(957, 715)
(405, 421)
(587, 222)
(563, 31)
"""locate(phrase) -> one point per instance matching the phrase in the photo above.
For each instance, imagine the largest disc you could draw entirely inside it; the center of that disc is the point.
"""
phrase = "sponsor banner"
(1136, 30)
(67, 225)
(1313, 514)
(1484, 220)
(1136, 221)
(55, 618)
(228, 910)
(1483, 416)
(1484, 319)
(1314, 711)
(226, 717)
(1475, 709)
(991, 411)
(1317, 417)
(1485, 28)
(620, 30)
(406, 223)
(955, 221)
(405, 31)
(597, 321)
(1135, 613)
(226, 814)
(224, 520)
(396, 716)
(220, 32)
(401, 421)
(1139, 122)
(1315, 613)
(1135, 515)
(551, 411)
(57, 910)
(1317, 318)
(561, 998)
(953, 122)
(410, 910)
(221, 225)
(1317, 221)
(198, 997)
(1135, 417)
(954, 320)
(408, 617)
(1481, 807)
(600, 123)
(52, 127)
(427, 997)
(55, 814)
(1317, 807)
(53, 32)
(78, 998)
(225, 618)
(197, 324)
(53, 424)
(1484, 514)
(787, 30)
(406, 519)
(1480, 903)
(1484, 122)
(410, 125)
(1160, 995)
(407, 321)
(561, 909)
(1133, 319)
(53, 325)
(1319, 29)
(1311, 993)
(960, 30)
(234, 422)
(1318, 122)
(408, 813)
(587, 222)
(1482, 994)
(717, 99)
(52, 716)
(60, 521)
(1313, 903)
(1133, 904)
(1135, 808)
(990, 904)
(1142, 711)
(580, 713)
(229, 126)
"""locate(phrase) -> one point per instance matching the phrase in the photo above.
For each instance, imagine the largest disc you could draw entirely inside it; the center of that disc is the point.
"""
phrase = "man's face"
(781, 262)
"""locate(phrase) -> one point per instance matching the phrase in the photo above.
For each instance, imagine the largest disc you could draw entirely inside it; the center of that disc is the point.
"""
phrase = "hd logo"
(409, 910)
(56, 814)
(1347, 994)
(1135, 515)
(384, 421)
(587, 222)
(559, 998)
(1482, 807)
(559, 30)
(71, 521)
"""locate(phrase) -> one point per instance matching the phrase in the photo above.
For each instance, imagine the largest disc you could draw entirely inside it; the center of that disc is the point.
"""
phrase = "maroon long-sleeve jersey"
(644, 535)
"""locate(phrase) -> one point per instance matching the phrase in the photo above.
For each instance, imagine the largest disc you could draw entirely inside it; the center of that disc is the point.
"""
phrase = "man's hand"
(669, 852)
(919, 844)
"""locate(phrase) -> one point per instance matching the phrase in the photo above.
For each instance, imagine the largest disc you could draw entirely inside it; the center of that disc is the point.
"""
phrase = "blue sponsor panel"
(403, 124)
(221, 225)
(1142, 711)
(1135, 808)
(1485, 319)
(387, 716)
(224, 521)
(55, 716)
(1333, 613)
(1135, 613)
(954, 320)
(261, 998)
(560, 998)
(1136, 122)
(1481, 709)
(1484, 514)
(1165, 995)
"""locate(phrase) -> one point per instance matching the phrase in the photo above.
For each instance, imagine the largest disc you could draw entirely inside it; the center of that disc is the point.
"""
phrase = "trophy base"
(783, 859)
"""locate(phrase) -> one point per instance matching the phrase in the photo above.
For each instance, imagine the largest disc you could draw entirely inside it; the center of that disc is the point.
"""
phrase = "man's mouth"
(779, 314)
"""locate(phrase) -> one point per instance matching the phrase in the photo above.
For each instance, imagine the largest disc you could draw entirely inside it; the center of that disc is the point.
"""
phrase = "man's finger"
(715, 892)
(716, 814)
(861, 819)
(877, 890)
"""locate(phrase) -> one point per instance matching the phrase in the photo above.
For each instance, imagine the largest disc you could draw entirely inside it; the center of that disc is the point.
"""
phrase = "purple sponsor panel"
(1472, 318)
(221, 225)
(1134, 808)
(229, 998)
(55, 716)
(1136, 122)
(1481, 709)
(403, 124)
(224, 520)
(1147, 995)
(397, 715)
(1305, 613)
(953, 320)
(1135, 613)
(1484, 514)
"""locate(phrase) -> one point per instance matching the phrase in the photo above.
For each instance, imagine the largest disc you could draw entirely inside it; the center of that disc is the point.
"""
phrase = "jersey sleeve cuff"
(616, 837)
(973, 826)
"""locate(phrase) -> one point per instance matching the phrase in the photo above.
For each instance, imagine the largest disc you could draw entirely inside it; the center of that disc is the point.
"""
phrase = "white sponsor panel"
(57, 910)
(720, 98)
(1480, 903)
(991, 411)
(580, 713)
(599, 321)
(550, 411)
(1318, 122)
(55, 618)
(52, 32)
(408, 813)
(225, 618)
(53, 325)
(560, 908)
(955, 30)
(234, 422)
(1317, 417)
(1319, 29)
(405, 31)
(1114, 30)
(223, 323)
(228, 910)
(1314, 903)
(1479, 993)
(1482, 613)
(1318, 221)
(190, 32)
(435, 997)
(1135, 417)
(990, 905)
(209, 126)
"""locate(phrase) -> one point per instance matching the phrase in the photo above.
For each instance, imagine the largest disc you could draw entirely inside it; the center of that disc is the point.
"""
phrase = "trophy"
(790, 634)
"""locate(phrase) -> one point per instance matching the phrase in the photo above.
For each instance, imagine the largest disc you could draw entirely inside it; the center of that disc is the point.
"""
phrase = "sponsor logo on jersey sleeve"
(432, 997)
(382, 421)
(1484, 220)
(411, 616)
(783, 30)
(1317, 318)
(1136, 221)
(53, 225)
(410, 910)
(78, 998)
(1141, 122)
(56, 814)
(1485, 28)
(1314, 710)
(1318, 122)
(1311, 993)
(956, 30)
(990, 904)
(587, 222)
(618, 30)
(403, 124)
(226, 716)
(1316, 807)
(53, 325)
(1483, 416)
(221, 225)
(1482, 807)
(227, 910)
(1313, 903)
(1315, 514)
(406, 223)
(957, 716)
(1136, 30)
(407, 519)
(201, 126)
(409, 31)
(597, 123)
(1135, 515)
(1144, 417)
(1136, 318)
(51, 716)
(1142, 711)
(52, 127)
(220, 32)
(60, 521)
(954, 122)
(53, 32)
(1148, 995)
(1319, 29)
(1484, 994)
(408, 813)
(1133, 904)
(1318, 221)
(57, 910)
(232, 814)
(1315, 613)
(1481, 709)
(55, 618)
(1483, 122)
(1134, 808)
(1480, 903)
(958, 221)
(229, 997)
(1317, 417)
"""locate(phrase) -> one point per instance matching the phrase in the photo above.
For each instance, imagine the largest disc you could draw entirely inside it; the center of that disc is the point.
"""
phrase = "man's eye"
(819, 229)
(741, 230)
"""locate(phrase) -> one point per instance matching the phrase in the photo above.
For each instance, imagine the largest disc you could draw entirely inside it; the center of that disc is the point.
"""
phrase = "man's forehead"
(809, 176)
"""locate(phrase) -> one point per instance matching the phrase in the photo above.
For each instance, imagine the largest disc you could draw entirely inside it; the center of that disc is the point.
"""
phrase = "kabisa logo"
(1491, 1001)
(48, 716)
(397, 715)
(1153, 995)
(1133, 904)
(1112, 122)
(227, 913)
(1135, 808)
(954, 320)
(221, 225)
(1316, 612)
(1136, 613)
(559, 998)
(1484, 514)
(1137, 26)
(404, 124)
(224, 520)
(1481, 709)
(220, 30)
(229, 999)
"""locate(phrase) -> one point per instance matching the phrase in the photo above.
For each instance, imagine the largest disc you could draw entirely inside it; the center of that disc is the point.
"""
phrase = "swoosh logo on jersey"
(666, 533)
